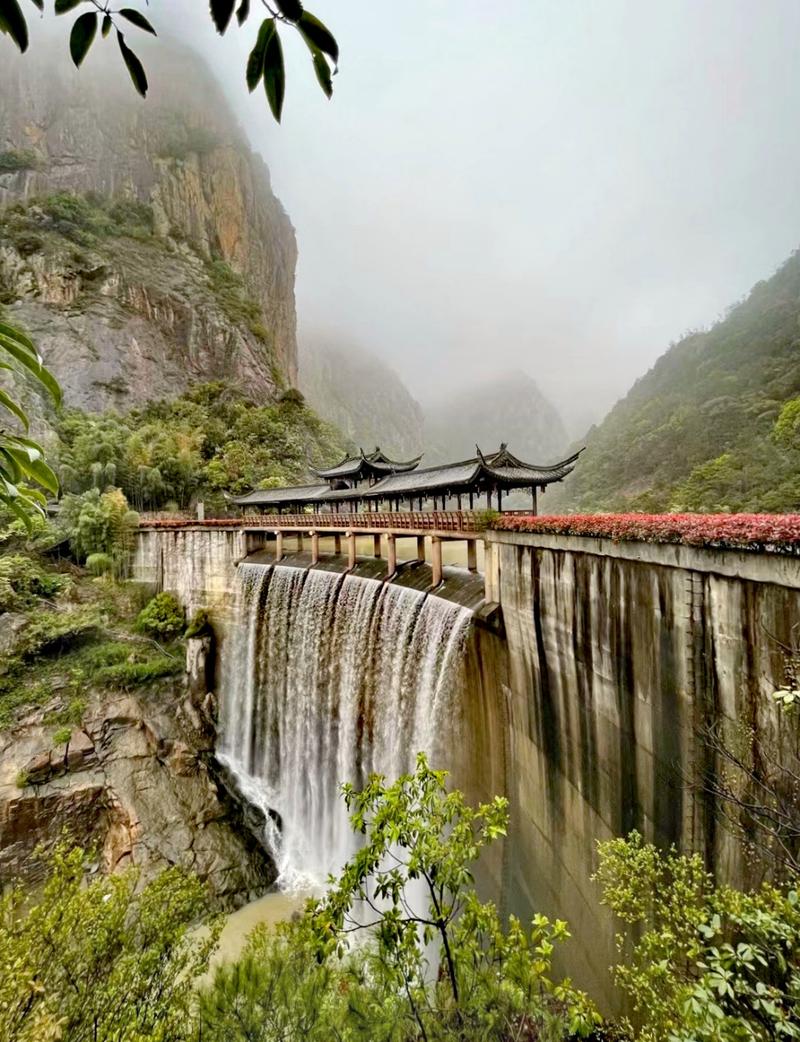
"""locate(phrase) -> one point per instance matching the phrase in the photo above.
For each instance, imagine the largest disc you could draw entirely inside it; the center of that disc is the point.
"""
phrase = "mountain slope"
(361, 396)
(713, 424)
(508, 409)
(140, 243)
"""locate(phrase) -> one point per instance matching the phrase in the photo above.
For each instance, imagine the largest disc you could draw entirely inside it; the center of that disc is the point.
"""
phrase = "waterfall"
(330, 678)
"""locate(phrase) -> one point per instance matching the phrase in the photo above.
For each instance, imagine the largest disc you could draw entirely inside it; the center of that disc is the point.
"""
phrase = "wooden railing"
(466, 521)
(405, 520)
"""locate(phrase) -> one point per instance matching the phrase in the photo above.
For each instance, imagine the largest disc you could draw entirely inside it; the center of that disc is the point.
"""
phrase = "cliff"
(361, 396)
(140, 242)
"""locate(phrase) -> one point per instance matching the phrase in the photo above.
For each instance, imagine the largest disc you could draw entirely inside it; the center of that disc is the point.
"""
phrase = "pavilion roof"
(372, 463)
(277, 496)
(486, 470)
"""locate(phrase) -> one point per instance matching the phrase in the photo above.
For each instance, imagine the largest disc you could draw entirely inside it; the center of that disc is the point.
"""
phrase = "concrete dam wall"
(586, 706)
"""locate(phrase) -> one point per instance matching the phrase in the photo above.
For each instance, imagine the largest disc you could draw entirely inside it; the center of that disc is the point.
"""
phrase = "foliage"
(82, 219)
(22, 460)
(737, 531)
(411, 884)
(708, 963)
(162, 618)
(99, 563)
(18, 159)
(265, 63)
(62, 736)
(22, 579)
(126, 676)
(230, 290)
(100, 523)
(106, 961)
(199, 625)
(211, 440)
(712, 425)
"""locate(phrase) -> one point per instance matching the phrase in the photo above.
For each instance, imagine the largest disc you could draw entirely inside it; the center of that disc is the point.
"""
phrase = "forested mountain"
(715, 424)
(509, 408)
(362, 396)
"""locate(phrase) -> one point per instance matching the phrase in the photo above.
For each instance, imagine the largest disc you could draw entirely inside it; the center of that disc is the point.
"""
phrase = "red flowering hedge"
(772, 532)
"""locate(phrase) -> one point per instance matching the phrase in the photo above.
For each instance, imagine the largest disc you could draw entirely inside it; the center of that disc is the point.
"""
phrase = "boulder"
(12, 627)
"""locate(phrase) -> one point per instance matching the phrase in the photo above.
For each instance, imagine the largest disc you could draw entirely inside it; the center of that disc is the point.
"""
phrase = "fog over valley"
(562, 189)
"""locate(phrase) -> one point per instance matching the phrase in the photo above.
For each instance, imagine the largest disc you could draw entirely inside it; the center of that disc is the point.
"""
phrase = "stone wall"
(618, 655)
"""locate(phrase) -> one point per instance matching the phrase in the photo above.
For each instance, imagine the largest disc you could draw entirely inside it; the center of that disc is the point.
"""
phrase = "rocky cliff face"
(200, 284)
(361, 396)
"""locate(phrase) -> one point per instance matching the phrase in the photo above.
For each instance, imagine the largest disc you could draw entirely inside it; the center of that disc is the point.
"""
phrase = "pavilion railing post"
(436, 559)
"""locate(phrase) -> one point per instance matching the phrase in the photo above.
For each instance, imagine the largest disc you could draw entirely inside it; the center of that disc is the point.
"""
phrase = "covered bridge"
(375, 482)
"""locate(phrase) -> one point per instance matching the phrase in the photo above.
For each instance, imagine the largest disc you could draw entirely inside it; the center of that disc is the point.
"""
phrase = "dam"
(576, 676)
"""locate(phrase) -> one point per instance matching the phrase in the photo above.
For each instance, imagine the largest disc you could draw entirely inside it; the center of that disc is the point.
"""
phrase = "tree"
(22, 460)
(104, 961)
(412, 885)
(264, 65)
(705, 963)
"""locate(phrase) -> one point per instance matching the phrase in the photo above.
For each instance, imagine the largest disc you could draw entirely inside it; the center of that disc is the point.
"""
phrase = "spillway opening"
(331, 678)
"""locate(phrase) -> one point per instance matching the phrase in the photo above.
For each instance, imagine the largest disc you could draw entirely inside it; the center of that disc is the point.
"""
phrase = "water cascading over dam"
(334, 677)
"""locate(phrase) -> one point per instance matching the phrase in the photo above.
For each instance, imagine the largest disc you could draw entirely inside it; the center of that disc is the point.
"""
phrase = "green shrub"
(22, 779)
(703, 963)
(108, 959)
(19, 159)
(129, 675)
(22, 579)
(162, 618)
(62, 736)
(199, 625)
(99, 563)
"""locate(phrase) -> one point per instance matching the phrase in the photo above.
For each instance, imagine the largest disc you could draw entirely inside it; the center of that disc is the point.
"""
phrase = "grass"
(82, 219)
(78, 643)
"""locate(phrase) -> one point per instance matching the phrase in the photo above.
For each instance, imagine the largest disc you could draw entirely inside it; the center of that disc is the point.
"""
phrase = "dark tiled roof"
(275, 496)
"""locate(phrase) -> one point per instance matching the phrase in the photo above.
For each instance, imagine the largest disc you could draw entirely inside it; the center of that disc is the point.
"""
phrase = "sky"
(558, 186)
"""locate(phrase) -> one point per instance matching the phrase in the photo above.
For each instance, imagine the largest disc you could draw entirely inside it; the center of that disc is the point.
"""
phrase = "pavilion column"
(314, 547)
(499, 499)
(376, 545)
(534, 505)
(420, 547)
(351, 550)
(472, 555)
(278, 545)
(299, 542)
(436, 559)
(391, 554)
(337, 544)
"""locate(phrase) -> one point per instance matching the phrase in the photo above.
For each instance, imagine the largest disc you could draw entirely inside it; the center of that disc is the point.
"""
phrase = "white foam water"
(331, 678)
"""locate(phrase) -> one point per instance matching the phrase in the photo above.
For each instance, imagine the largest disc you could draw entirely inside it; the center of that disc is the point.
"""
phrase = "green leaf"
(314, 32)
(243, 12)
(323, 71)
(16, 334)
(137, 19)
(9, 403)
(33, 364)
(64, 6)
(274, 75)
(39, 4)
(221, 11)
(135, 67)
(255, 63)
(83, 33)
(291, 9)
(107, 23)
(13, 24)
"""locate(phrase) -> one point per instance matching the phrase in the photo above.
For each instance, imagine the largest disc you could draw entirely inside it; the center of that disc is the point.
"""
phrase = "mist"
(562, 188)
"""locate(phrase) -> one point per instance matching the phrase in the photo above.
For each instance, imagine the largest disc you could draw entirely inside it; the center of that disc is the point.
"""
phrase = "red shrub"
(771, 532)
